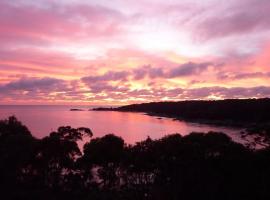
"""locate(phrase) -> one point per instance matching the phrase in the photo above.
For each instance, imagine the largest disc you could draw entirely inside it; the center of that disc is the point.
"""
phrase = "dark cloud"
(98, 84)
(247, 75)
(148, 71)
(140, 73)
(35, 89)
(31, 84)
(109, 76)
(189, 69)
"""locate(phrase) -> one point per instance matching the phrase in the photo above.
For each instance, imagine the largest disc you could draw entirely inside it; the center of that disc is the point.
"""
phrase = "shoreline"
(219, 123)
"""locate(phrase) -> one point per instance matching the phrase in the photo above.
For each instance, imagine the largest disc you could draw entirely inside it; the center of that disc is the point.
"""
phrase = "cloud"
(37, 59)
(102, 83)
(30, 84)
(55, 21)
(108, 76)
(177, 94)
(186, 69)
(97, 88)
(248, 75)
(34, 89)
(147, 71)
(189, 69)
(129, 51)
(183, 70)
(235, 17)
(225, 93)
(50, 89)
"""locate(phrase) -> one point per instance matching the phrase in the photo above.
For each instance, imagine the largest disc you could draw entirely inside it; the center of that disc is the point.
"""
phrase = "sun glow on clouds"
(119, 52)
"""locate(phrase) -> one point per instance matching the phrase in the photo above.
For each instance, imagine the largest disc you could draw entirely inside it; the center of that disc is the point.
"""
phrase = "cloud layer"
(100, 52)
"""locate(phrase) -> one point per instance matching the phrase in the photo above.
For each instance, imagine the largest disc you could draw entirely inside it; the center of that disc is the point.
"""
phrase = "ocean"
(132, 127)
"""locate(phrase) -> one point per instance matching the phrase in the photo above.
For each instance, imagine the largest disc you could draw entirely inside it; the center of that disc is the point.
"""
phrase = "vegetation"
(196, 166)
(229, 111)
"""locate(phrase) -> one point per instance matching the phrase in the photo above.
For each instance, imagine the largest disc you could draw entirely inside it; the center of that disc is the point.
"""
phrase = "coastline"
(220, 123)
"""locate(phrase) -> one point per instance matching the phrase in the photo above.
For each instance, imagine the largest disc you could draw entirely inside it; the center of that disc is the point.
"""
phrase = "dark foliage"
(233, 111)
(196, 166)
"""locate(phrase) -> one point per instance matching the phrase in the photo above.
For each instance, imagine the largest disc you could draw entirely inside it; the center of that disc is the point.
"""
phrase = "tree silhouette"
(105, 154)
(195, 166)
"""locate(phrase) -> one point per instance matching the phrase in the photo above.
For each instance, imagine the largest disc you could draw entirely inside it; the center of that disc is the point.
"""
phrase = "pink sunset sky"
(125, 51)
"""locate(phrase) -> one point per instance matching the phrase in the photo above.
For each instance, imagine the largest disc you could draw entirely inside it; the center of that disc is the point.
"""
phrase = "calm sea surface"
(132, 127)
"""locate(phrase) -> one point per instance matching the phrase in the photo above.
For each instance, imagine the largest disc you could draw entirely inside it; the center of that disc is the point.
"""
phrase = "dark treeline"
(230, 111)
(196, 166)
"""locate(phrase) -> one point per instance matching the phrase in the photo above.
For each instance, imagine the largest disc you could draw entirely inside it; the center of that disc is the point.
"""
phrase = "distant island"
(76, 109)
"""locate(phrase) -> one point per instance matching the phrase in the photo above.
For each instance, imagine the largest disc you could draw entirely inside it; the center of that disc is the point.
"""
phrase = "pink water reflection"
(132, 127)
